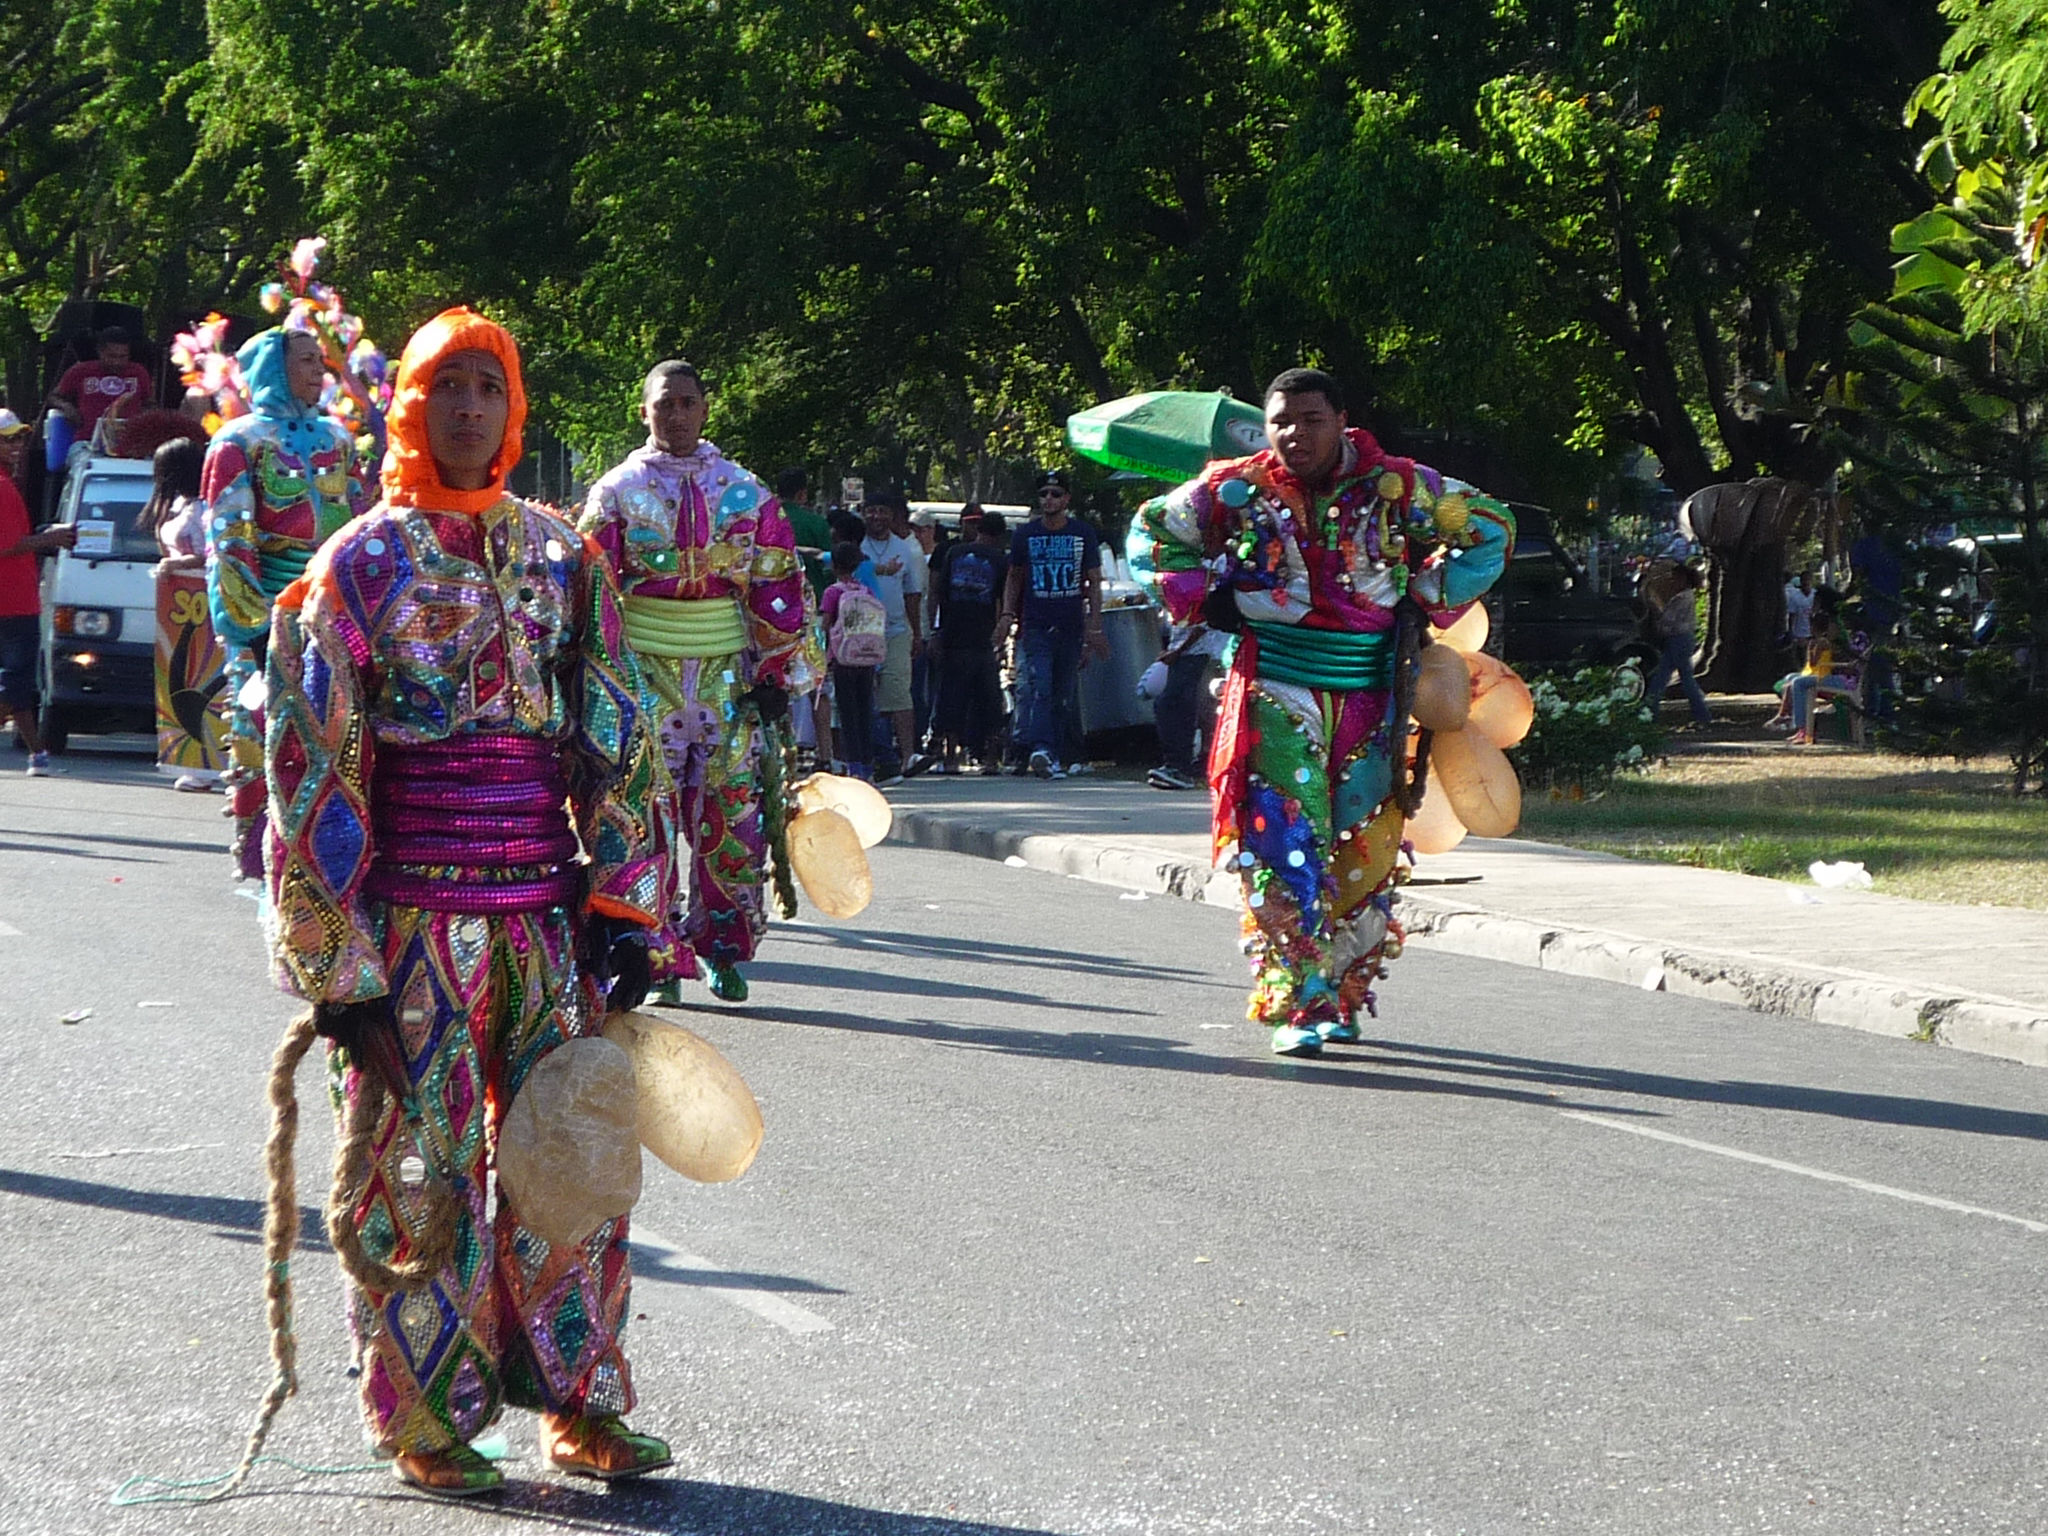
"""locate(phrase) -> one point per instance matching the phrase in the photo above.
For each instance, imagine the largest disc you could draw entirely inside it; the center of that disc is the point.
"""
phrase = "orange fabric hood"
(410, 477)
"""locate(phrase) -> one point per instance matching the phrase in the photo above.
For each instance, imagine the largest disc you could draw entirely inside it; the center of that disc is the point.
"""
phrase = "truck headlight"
(86, 623)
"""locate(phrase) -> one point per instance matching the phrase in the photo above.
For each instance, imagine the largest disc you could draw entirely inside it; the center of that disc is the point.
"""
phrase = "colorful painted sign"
(191, 689)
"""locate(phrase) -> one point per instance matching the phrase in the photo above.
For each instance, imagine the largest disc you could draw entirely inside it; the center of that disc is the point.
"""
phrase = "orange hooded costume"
(448, 674)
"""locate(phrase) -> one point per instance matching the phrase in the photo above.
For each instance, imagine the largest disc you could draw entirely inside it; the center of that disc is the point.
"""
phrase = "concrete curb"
(1985, 1025)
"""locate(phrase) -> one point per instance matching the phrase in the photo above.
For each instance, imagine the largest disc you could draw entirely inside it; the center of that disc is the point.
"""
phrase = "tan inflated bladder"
(1502, 707)
(1470, 632)
(1443, 690)
(696, 1112)
(857, 800)
(1434, 828)
(569, 1149)
(1478, 780)
(826, 855)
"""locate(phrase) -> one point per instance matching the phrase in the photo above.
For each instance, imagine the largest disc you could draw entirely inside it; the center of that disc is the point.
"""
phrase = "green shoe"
(727, 984)
(669, 994)
(458, 1472)
(599, 1446)
(1296, 1040)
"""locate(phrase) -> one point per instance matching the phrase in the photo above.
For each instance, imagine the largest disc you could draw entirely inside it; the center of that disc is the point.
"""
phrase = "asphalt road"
(1042, 1241)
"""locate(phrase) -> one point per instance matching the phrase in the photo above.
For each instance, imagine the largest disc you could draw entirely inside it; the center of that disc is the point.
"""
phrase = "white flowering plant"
(1590, 725)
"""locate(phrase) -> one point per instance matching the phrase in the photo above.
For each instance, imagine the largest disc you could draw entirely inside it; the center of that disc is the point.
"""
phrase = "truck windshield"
(119, 502)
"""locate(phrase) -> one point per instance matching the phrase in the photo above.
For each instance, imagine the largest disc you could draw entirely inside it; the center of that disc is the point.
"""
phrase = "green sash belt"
(1323, 658)
(685, 628)
(278, 569)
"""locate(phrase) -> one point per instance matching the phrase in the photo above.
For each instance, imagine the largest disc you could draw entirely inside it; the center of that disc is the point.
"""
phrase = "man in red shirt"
(89, 390)
(21, 598)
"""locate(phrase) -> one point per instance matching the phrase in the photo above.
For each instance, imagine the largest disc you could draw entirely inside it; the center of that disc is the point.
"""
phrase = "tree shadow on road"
(993, 951)
(1351, 1067)
(1875, 1108)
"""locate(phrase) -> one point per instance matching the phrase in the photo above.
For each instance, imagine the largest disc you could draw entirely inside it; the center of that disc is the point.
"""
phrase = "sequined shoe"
(599, 1445)
(1296, 1040)
(726, 983)
(1339, 1032)
(458, 1472)
(667, 994)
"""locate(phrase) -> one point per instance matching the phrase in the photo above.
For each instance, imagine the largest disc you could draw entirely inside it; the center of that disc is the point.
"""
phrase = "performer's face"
(674, 412)
(304, 369)
(467, 408)
(1307, 434)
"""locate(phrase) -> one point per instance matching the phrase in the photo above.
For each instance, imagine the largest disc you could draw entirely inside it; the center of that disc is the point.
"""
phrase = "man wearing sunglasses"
(1053, 600)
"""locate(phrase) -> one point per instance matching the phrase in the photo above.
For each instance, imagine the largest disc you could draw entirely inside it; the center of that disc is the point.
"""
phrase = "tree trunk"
(1746, 609)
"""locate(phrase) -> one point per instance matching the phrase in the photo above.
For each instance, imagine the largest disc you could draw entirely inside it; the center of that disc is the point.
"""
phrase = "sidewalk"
(1971, 977)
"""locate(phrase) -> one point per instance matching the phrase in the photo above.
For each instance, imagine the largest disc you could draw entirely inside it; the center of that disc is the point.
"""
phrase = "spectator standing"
(856, 644)
(21, 597)
(1185, 710)
(900, 580)
(967, 594)
(1053, 601)
(88, 391)
(1799, 608)
(1677, 626)
(807, 712)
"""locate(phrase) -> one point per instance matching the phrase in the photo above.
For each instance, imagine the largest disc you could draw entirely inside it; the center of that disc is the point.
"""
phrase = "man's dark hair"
(885, 496)
(792, 482)
(993, 522)
(661, 373)
(846, 557)
(846, 526)
(112, 336)
(1306, 381)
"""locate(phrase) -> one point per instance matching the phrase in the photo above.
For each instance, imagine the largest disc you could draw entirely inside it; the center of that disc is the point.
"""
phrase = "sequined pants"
(714, 756)
(1318, 840)
(480, 1000)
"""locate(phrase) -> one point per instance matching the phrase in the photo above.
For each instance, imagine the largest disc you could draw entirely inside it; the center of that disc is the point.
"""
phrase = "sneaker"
(193, 784)
(1169, 778)
(1296, 1040)
(1042, 766)
(1079, 770)
(1339, 1032)
(38, 765)
(888, 781)
(920, 762)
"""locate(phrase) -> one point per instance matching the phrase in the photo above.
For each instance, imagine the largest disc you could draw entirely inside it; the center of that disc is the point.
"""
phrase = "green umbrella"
(1167, 434)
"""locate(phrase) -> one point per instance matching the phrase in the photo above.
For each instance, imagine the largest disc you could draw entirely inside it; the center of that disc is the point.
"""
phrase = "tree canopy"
(913, 236)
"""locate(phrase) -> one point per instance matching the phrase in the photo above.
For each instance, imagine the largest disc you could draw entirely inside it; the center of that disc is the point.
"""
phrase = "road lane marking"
(9, 933)
(1812, 1173)
(784, 1314)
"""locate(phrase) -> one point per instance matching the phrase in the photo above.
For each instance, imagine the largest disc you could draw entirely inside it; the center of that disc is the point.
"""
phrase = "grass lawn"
(1938, 832)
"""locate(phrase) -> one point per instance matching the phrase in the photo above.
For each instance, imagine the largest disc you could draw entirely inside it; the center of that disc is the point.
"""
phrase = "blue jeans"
(1049, 688)
(1676, 659)
(1802, 692)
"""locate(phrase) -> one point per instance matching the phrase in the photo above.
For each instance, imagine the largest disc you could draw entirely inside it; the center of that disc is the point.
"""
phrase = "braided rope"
(433, 1241)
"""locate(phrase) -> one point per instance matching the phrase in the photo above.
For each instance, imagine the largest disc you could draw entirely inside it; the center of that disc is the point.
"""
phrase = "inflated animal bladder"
(1478, 780)
(1435, 828)
(1502, 708)
(857, 800)
(696, 1112)
(829, 862)
(1470, 632)
(1443, 690)
(569, 1150)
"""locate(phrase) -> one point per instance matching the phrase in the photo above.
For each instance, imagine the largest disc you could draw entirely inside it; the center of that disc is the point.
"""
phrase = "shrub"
(1590, 725)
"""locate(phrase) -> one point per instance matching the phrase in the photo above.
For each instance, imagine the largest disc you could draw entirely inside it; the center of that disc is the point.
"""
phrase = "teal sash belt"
(278, 569)
(1323, 658)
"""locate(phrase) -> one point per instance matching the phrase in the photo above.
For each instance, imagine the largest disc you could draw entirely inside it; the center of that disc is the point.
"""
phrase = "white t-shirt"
(1799, 611)
(899, 568)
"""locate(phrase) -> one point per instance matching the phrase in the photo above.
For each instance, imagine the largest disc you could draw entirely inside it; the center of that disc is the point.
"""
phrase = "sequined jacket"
(1387, 528)
(697, 525)
(418, 626)
(275, 489)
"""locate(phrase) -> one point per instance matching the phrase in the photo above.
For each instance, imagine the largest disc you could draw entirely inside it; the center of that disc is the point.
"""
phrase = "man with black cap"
(1054, 601)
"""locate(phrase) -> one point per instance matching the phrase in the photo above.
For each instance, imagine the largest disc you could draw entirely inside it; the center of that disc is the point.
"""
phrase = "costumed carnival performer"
(277, 483)
(1315, 551)
(716, 608)
(450, 674)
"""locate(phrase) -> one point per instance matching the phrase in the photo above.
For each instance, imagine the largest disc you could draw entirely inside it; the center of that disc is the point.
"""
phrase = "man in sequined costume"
(1311, 551)
(276, 483)
(449, 683)
(715, 608)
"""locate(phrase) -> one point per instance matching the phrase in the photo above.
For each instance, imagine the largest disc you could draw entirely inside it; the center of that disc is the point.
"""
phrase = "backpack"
(859, 635)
